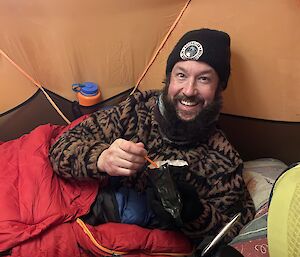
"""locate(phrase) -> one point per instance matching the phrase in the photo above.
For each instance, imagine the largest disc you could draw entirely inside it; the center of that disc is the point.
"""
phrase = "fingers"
(127, 159)
(119, 171)
(122, 163)
(122, 158)
(136, 149)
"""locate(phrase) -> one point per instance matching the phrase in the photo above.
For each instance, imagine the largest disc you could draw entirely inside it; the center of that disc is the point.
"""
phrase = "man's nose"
(190, 88)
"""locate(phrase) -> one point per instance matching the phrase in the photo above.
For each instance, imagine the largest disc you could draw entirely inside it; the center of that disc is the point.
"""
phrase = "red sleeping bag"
(39, 214)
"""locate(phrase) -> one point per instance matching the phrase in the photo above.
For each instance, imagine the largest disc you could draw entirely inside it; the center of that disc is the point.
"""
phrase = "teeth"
(188, 103)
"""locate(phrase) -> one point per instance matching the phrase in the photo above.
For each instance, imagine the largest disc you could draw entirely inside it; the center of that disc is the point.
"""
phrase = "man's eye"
(204, 79)
(180, 75)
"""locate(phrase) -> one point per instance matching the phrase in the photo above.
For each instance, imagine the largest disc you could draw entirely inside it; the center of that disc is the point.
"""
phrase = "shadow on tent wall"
(258, 138)
(253, 138)
(38, 111)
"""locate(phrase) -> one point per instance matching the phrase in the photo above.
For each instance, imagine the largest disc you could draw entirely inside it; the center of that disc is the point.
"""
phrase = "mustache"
(196, 99)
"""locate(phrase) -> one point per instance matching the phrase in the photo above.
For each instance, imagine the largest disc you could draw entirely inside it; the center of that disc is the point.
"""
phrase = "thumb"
(140, 144)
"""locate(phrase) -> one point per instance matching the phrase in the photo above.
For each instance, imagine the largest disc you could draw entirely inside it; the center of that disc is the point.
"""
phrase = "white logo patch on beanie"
(191, 51)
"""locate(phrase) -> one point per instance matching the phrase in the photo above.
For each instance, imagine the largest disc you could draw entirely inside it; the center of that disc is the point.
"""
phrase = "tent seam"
(161, 46)
(37, 84)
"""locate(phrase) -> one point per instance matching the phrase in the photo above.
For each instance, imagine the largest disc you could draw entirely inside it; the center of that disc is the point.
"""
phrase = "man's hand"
(122, 158)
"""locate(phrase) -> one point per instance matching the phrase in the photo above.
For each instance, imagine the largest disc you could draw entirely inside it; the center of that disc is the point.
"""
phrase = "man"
(178, 123)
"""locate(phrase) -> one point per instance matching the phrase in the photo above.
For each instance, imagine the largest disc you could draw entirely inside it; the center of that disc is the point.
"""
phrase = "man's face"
(192, 87)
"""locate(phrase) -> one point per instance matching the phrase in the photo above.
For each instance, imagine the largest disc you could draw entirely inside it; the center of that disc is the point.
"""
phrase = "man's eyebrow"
(206, 71)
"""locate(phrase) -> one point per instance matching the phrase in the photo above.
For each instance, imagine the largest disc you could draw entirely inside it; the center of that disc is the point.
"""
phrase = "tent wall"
(63, 42)
(30, 114)
(111, 42)
(265, 54)
(38, 111)
(257, 138)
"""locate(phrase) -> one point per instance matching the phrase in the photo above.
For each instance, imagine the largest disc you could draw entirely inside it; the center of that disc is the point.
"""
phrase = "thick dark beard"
(194, 131)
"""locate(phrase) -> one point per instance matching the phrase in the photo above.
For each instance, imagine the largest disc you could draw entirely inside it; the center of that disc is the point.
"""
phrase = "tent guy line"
(161, 46)
(37, 84)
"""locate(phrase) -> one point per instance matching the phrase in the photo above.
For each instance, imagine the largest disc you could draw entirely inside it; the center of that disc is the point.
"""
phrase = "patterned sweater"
(215, 168)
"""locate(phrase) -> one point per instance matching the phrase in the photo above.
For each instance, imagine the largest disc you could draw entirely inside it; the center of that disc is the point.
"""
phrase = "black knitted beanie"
(204, 45)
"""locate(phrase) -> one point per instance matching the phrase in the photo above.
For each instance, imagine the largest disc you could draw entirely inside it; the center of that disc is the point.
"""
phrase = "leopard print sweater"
(215, 168)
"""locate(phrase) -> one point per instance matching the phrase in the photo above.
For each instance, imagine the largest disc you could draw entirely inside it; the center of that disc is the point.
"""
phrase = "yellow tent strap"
(109, 251)
(161, 46)
(37, 84)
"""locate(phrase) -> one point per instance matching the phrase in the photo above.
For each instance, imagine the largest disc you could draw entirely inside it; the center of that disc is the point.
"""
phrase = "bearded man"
(177, 123)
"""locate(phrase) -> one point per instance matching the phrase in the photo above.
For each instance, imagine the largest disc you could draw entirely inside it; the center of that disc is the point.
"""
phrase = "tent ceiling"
(111, 42)
(63, 42)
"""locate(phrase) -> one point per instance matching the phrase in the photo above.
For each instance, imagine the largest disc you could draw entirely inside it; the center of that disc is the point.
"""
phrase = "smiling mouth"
(189, 103)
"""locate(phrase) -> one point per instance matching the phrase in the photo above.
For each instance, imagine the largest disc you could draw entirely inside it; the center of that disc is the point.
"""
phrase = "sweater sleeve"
(227, 197)
(75, 153)
(222, 192)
